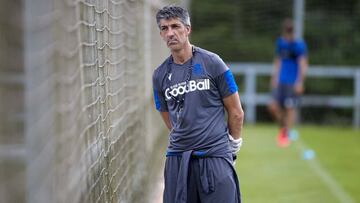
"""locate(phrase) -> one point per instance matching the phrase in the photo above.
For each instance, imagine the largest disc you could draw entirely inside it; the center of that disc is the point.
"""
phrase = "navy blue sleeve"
(159, 97)
(223, 77)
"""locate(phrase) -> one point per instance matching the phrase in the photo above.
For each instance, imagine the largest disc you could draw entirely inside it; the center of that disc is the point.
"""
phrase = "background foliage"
(245, 30)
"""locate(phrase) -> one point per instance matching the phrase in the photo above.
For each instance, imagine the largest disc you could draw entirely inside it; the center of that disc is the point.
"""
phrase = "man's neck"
(288, 37)
(182, 55)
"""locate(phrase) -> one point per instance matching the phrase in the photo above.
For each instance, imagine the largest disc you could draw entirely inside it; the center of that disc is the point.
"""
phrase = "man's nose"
(170, 32)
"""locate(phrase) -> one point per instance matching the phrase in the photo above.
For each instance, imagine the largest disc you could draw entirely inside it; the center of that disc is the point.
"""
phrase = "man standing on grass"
(287, 81)
(192, 90)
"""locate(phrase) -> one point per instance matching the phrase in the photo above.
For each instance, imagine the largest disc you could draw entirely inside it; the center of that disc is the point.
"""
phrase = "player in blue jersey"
(193, 89)
(287, 81)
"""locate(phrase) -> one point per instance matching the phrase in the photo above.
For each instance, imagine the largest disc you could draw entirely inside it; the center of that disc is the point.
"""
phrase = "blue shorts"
(285, 96)
(209, 179)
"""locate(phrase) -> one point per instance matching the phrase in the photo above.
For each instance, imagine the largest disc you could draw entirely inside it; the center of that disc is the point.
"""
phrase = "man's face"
(174, 33)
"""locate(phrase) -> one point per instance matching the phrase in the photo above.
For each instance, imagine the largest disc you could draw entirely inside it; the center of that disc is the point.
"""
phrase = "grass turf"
(271, 174)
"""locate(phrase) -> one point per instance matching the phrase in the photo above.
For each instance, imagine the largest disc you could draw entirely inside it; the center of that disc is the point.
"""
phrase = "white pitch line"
(329, 181)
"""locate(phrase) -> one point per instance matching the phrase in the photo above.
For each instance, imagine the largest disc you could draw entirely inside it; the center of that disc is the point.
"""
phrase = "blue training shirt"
(202, 125)
(289, 52)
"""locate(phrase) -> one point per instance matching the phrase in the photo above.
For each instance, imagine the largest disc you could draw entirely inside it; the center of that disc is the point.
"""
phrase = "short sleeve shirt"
(203, 81)
(289, 52)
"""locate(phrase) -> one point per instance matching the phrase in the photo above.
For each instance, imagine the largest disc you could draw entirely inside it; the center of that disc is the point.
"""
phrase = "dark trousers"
(209, 180)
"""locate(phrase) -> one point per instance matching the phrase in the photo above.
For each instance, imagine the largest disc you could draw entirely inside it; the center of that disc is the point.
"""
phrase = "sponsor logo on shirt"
(191, 86)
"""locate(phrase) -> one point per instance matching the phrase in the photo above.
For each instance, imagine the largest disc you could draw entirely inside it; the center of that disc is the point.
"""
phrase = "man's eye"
(163, 28)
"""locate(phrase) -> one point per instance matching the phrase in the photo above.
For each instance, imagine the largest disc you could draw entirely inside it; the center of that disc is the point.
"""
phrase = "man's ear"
(188, 28)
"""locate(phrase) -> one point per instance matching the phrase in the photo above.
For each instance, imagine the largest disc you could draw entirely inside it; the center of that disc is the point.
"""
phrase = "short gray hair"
(169, 12)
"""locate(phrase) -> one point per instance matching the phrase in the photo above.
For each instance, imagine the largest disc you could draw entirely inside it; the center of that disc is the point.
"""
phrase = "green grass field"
(271, 174)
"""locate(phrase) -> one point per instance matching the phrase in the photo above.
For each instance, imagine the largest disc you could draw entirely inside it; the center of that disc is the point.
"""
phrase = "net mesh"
(88, 78)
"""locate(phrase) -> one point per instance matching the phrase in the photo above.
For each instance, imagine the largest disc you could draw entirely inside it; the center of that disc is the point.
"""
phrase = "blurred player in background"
(192, 90)
(287, 80)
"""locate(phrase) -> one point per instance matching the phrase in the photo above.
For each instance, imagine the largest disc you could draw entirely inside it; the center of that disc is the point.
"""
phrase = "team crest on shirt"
(197, 69)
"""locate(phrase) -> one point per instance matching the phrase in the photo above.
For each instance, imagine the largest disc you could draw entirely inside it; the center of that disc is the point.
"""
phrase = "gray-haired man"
(192, 89)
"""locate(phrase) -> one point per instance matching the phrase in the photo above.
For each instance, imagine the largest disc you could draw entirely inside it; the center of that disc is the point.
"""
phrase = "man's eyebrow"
(171, 24)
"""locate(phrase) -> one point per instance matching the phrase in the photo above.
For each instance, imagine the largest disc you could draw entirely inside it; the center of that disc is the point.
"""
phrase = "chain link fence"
(76, 101)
